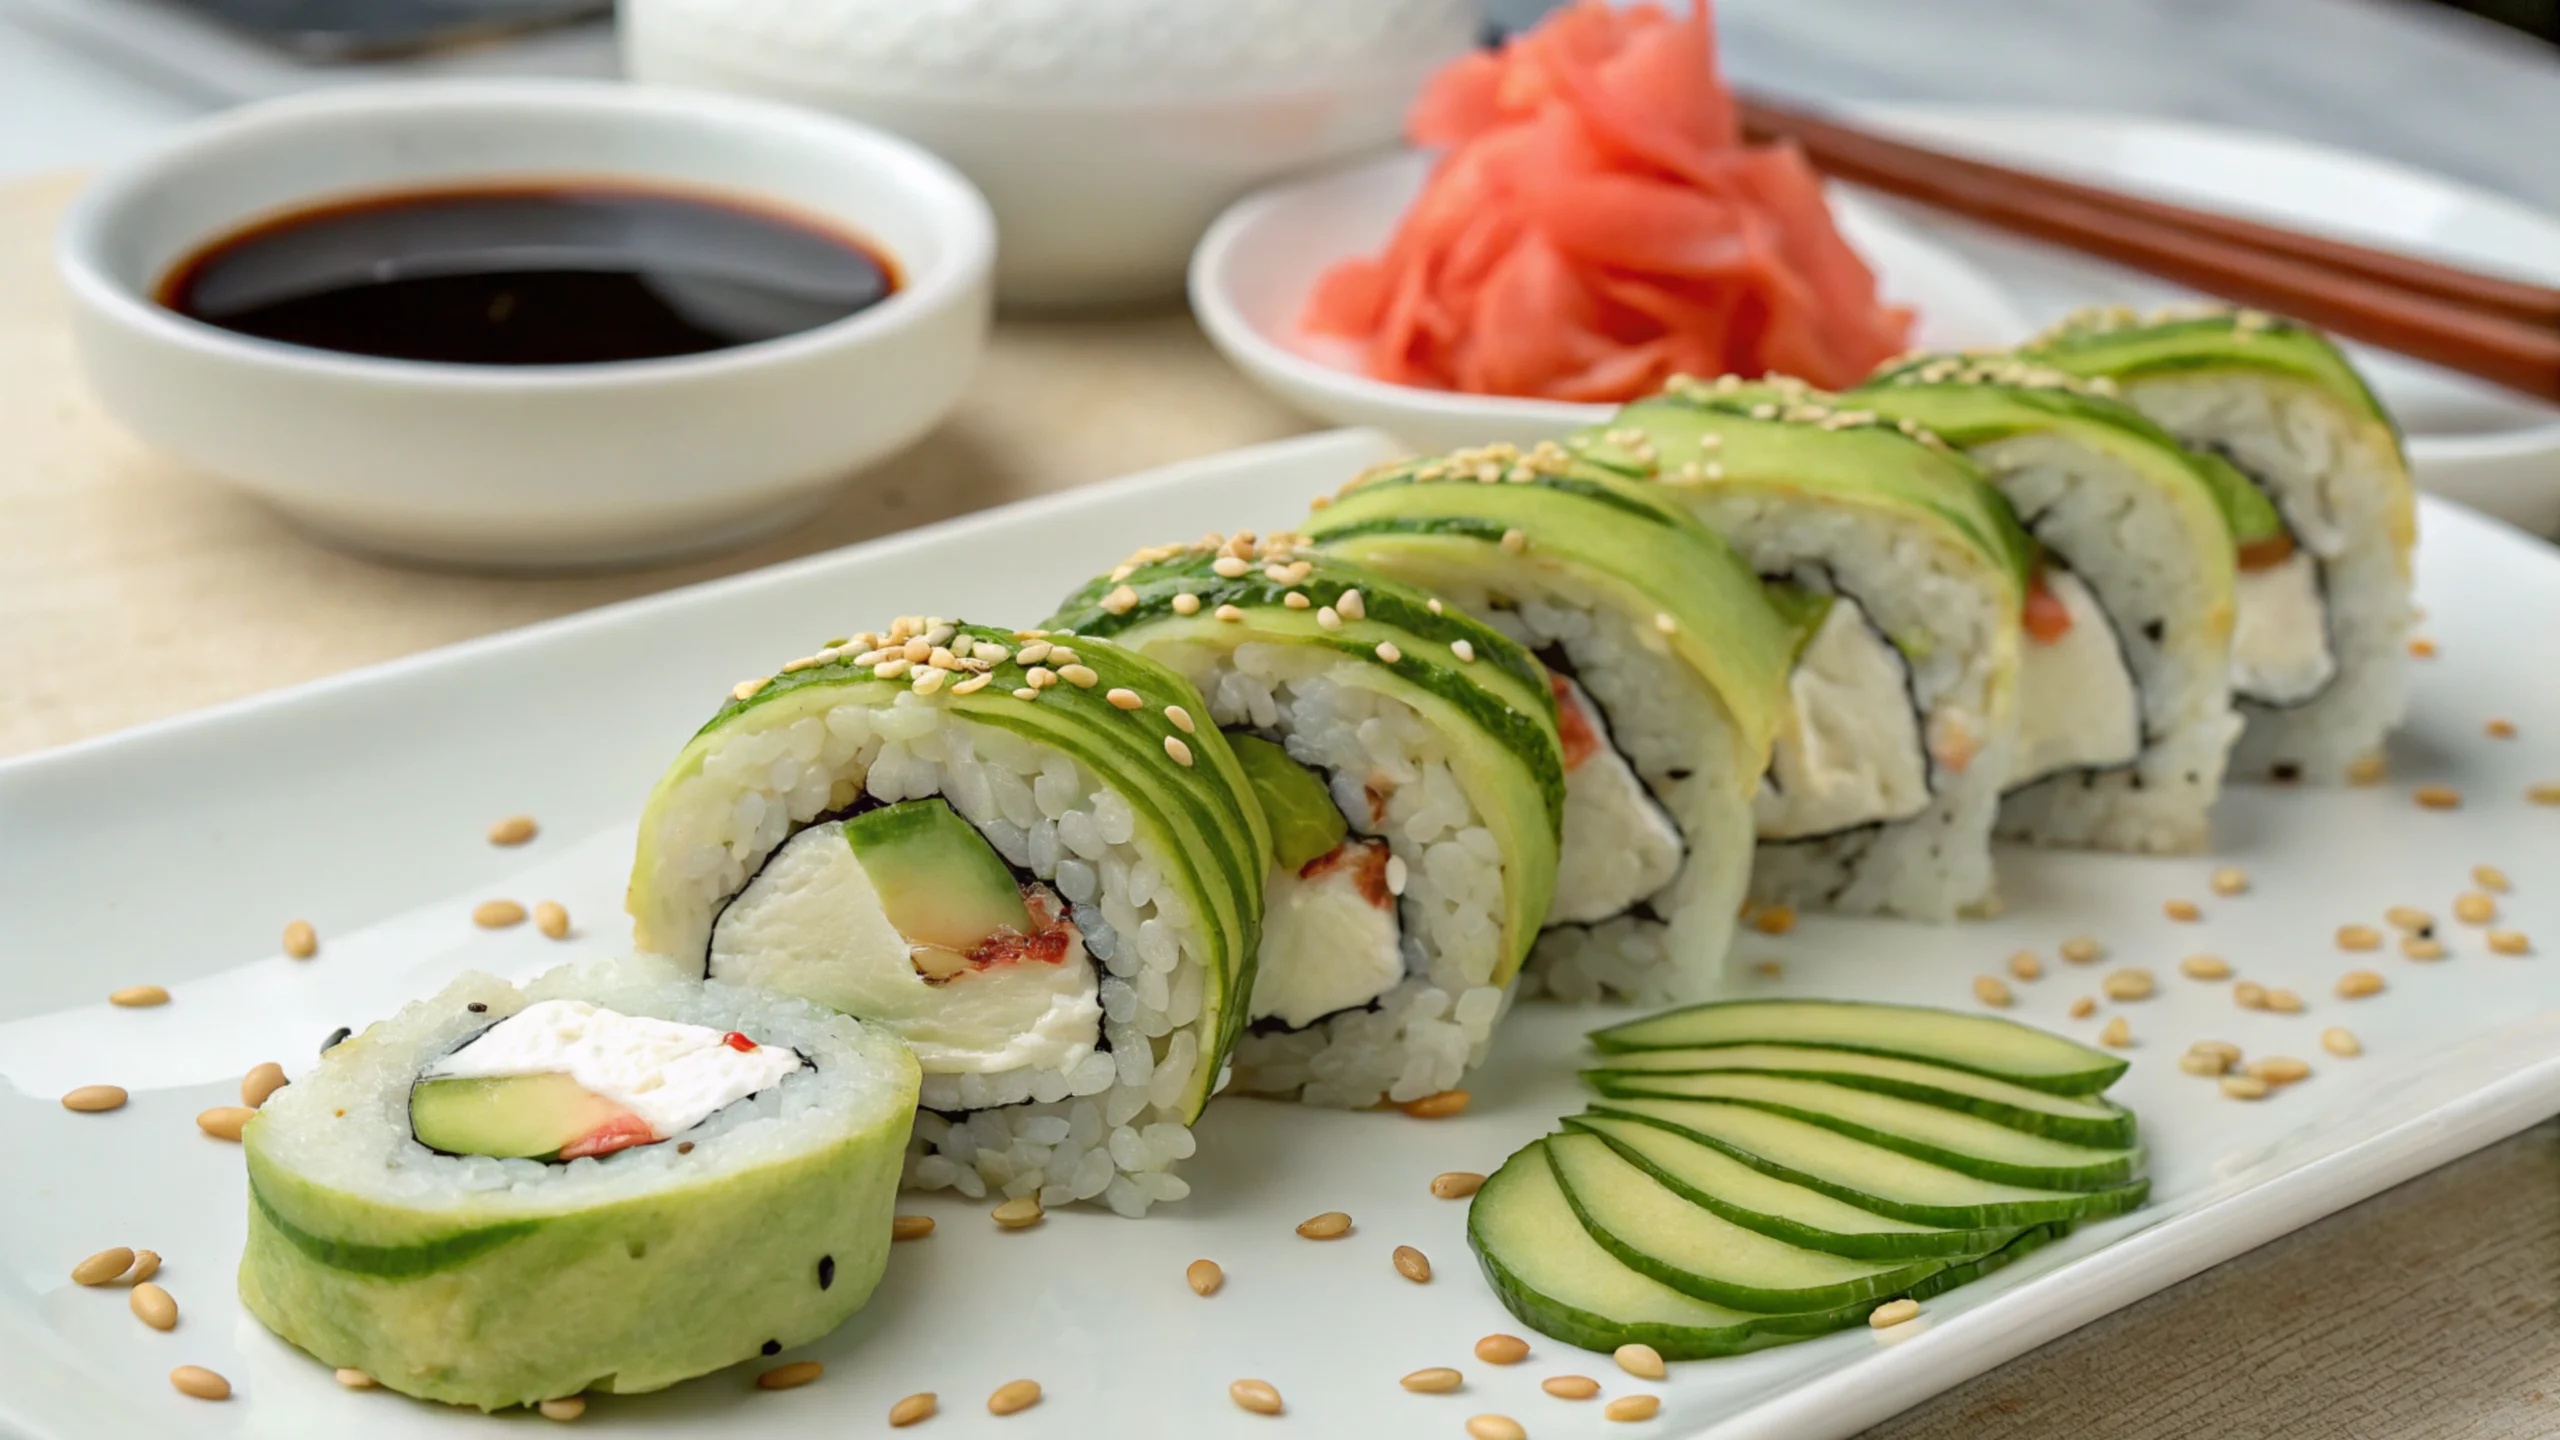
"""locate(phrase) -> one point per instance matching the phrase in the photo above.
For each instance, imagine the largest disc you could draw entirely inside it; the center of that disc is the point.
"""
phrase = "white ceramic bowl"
(572, 465)
(1106, 133)
(1254, 269)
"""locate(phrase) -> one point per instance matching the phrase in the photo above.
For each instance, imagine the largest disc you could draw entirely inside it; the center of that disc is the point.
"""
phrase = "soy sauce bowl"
(531, 467)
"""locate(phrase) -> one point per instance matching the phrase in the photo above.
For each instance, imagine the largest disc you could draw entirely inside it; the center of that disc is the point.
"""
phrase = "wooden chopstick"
(2499, 329)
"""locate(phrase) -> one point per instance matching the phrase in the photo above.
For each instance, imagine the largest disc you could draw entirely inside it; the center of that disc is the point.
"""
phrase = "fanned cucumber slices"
(1763, 1171)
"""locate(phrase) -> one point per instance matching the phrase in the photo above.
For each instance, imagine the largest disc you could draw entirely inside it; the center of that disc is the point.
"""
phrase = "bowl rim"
(954, 208)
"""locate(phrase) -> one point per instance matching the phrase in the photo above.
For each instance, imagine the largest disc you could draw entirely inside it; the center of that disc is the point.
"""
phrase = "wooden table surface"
(131, 590)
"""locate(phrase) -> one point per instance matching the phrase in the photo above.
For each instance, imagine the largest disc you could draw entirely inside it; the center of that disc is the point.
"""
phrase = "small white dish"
(1254, 269)
(549, 466)
(2469, 440)
(1106, 133)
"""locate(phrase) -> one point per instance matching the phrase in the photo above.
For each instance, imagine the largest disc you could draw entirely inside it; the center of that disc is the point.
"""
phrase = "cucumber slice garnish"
(2079, 1120)
(2002, 1049)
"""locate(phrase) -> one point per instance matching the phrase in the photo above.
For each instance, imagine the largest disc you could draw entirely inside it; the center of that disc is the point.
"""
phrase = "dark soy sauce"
(570, 273)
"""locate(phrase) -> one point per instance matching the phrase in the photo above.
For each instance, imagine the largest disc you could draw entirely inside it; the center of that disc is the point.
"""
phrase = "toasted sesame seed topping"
(1437, 1380)
(2279, 1070)
(919, 1406)
(2283, 1001)
(2249, 995)
(1514, 541)
(2084, 1007)
(1640, 1360)
(1180, 752)
(2490, 877)
(2359, 937)
(1258, 1396)
(300, 940)
(1025, 692)
(1570, 1387)
(2472, 907)
(1388, 652)
(2026, 966)
(106, 1265)
(1080, 676)
(1412, 1264)
(746, 689)
(2203, 1062)
(1186, 603)
(356, 1379)
(893, 667)
(2422, 947)
(974, 683)
(1438, 1106)
(2501, 729)
(1328, 618)
(2230, 880)
(918, 651)
(1231, 567)
(1124, 698)
(1893, 1312)
(497, 914)
(94, 1098)
(2081, 950)
(1456, 1184)
(1991, 990)
(1331, 1225)
(989, 651)
(1039, 677)
(2181, 910)
(2244, 1087)
(1032, 654)
(199, 1383)
(2205, 967)
(1179, 718)
(930, 681)
(2340, 1042)
(2367, 770)
(1501, 1349)
(1018, 1212)
(1663, 622)
(1228, 612)
(2437, 797)
(1204, 1277)
(2509, 942)
(1465, 651)
(1296, 600)
(1494, 1427)
(1633, 1407)
(1351, 606)
(138, 996)
(2422, 648)
(224, 1122)
(910, 1227)
(153, 1306)
(2410, 918)
(2357, 984)
(2117, 1035)
(2130, 983)
(514, 830)
(1774, 919)
(791, 1376)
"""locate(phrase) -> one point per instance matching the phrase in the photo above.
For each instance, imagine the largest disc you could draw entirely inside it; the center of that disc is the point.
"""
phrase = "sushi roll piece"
(1408, 758)
(611, 1179)
(1668, 666)
(1902, 573)
(2125, 718)
(1034, 861)
(2323, 606)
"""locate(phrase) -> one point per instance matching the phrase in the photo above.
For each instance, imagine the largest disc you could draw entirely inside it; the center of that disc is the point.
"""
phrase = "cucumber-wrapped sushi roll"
(1035, 861)
(1408, 758)
(2323, 604)
(2124, 690)
(1903, 574)
(612, 1179)
(1668, 667)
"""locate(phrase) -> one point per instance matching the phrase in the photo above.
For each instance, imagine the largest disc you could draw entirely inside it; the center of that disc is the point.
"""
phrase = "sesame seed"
(1228, 612)
(1230, 567)
(1258, 1396)
(552, 919)
(941, 658)
(2230, 880)
(746, 689)
(2422, 648)
(497, 914)
(1771, 968)
(1991, 990)
(1124, 698)
(1456, 1184)
(2410, 918)
(2509, 942)
(2249, 995)
(2422, 947)
(153, 1306)
(2205, 967)
(1412, 1264)
(106, 1265)
(224, 1122)
(1180, 718)
(2501, 729)
(1663, 622)
(1465, 652)
(1026, 693)
(1892, 1313)
(1388, 652)
(2026, 966)
(1080, 676)
(138, 996)
(2490, 877)
(1018, 1213)
(893, 667)
(1296, 600)
(355, 1379)
(1438, 1380)
(2130, 983)
(1494, 1427)
(1640, 1360)
(2181, 910)
(974, 684)
(1438, 1106)
(1204, 1277)
(928, 682)
(2471, 907)
(2244, 1087)
(2545, 792)
(514, 830)
(2080, 950)
(1774, 919)
(1120, 600)
(1032, 654)
(1500, 1349)
(2357, 984)
(1351, 605)
(2279, 1070)
(2283, 1001)
(1570, 1387)
(2084, 1007)
(917, 651)
(1186, 603)
(2117, 1035)
(1633, 1407)
(1434, 606)
(2367, 770)
(919, 1406)
(2437, 797)
(989, 651)
(2359, 937)
(1396, 875)
(2340, 1042)
(200, 1383)
(1514, 541)
(1329, 618)
(1331, 1225)
(300, 940)
(1180, 752)
(2208, 1062)
(791, 1376)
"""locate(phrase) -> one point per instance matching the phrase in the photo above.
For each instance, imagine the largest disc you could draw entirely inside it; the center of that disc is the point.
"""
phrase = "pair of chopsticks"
(2498, 329)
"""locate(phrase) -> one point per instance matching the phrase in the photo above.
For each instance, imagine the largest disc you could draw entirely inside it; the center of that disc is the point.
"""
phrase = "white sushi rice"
(1957, 631)
(1108, 1125)
(1422, 1036)
(2342, 493)
(857, 1084)
(2117, 532)
(1666, 720)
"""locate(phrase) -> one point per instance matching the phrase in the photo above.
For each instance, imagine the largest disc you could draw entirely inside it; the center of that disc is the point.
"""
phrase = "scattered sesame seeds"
(2421, 647)
(1465, 651)
(1018, 1213)
(2205, 967)
(1640, 1360)
(2283, 1001)
(1397, 874)
(1080, 676)
(1329, 618)
(1186, 603)
(1231, 567)
(2490, 877)
(2080, 950)
(1663, 622)
(1514, 541)
(1120, 600)
(1180, 752)
(919, 1406)
(2437, 797)
(2129, 983)
(1331, 1225)
(1892, 1313)
(1991, 990)
(1039, 677)
(1257, 1396)
(1501, 1349)
(1771, 968)
(930, 682)
(1351, 606)
(1388, 652)
(300, 940)
(918, 651)
(746, 689)
(1494, 1427)
(910, 1227)
(1228, 613)
(1438, 1106)
(2084, 1007)
(1124, 698)
(1180, 718)
(200, 1383)
(514, 830)
(1434, 606)
(2357, 984)
(2367, 770)
(2359, 937)
(497, 914)
(2244, 1087)
(1456, 1184)
(2501, 729)
(95, 1099)
(2410, 918)
(1296, 600)
(135, 997)
(1570, 1387)
(2117, 1035)
(893, 667)
(224, 1122)
(153, 1306)
(1026, 693)
(2472, 907)
(355, 1379)
(791, 1376)
(1032, 654)
(2026, 966)
(2223, 1050)
(102, 1267)
(2230, 880)
(1412, 1264)
(2207, 1063)
(1204, 1277)
(2249, 995)
(1437, 1380)
(2279, 1070)
(1774, 919)
(1633, 1407)
(2181, 910)
(2341, 1042)
(974, 683)
(2509, 942)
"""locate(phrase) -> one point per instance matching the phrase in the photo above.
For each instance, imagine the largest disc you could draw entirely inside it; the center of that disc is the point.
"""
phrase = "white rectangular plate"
(174, 854)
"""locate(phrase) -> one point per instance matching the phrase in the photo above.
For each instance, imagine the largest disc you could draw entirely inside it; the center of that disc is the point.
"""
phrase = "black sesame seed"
(684, 1147)
(2286, 771)
(773, 1347)
(2154, 629)
(476, 1008)
(826, 1271)
(341, 1033)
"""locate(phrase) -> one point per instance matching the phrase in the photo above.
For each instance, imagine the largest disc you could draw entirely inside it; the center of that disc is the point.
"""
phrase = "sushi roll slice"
(2124, 692)
(1408, 758)
(1903, 574)
(1668, 667)
(2323, 605)
(1034, 861)
(611, 1179)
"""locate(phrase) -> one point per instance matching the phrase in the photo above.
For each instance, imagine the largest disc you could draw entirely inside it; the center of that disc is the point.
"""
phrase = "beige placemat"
(110, 552)
(130, 589)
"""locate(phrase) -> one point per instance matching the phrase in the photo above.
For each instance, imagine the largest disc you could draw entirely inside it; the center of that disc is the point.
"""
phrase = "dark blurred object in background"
(379, 29)
(2538, 18)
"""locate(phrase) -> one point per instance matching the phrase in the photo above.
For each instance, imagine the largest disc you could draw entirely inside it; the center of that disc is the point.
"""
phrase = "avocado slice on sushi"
(544, 1116)
(2089, 1120)
(1331, 938)
(1983, 1044)
(1305, 823)
(941, 885)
